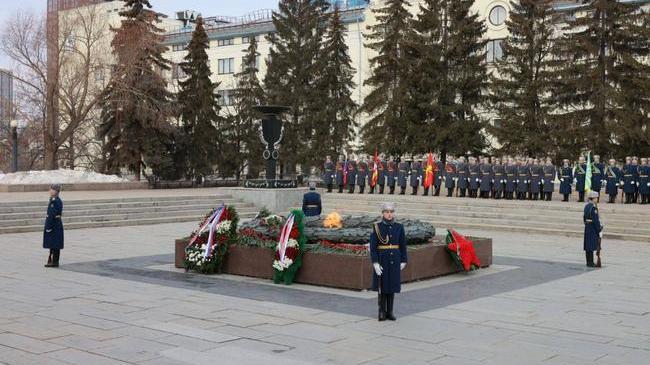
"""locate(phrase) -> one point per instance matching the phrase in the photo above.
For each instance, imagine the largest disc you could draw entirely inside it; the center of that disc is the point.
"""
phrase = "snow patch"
(61, 176)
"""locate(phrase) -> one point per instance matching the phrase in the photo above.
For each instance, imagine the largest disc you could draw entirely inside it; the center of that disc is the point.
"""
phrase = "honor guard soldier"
(593, 229)
(511, 178)
(628, 180)
(328, 173)
(391, 176)
(486, 178)
(499, 178)
(340, 173)
(548, 181)
(644, 182)
(450, 178)
(362, 174)
(388, 255)
(53, 230)
(352, 175)
(579, 174)
(381, 174)
(523, 173)
(635, 172)
(403, 176)
(566, 179)
(416, 175)
(438, 171)
(474, 177)
(536, 176)
(462, 171)
(613, 176)
(597, 171)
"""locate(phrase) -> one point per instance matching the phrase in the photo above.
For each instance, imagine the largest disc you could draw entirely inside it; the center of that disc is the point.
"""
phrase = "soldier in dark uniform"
(628, 180)
(416, 175)
(579, 174)
(536, 176)
(499, 178)
(352, 175)
(486, 178)
(389, 257)
(548, 180)
(339, 173)
(403, 176)
(523, 175)
(593, 229)
(474, 177)
(566, 179)
(381, 174)
(462, 171)
(511, 178)
(53, 230)
(644, 181)
(391, 176)
(597, 171)
(613, 176)
(362, 174)
(635, 173)
(328, 173)
(438, 171)
(311, 202)
(450, 177)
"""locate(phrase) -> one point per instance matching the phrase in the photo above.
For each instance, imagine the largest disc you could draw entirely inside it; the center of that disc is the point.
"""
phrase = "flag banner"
(375, 171)
(588, 174)
(345, 172)
(428, 177)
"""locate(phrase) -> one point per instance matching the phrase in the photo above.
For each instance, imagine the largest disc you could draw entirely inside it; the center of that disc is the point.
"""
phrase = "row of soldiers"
(490, 177)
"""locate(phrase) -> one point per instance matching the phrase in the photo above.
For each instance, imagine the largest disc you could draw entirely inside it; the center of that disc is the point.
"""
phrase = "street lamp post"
(14, 150)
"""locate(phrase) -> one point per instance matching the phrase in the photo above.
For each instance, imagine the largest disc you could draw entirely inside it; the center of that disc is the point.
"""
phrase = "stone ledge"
(20, 188)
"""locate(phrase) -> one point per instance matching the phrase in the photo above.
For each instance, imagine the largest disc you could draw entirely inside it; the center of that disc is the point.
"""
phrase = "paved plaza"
(117, 299)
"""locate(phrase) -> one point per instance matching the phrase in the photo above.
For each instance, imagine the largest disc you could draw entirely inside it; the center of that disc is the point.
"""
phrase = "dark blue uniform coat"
(644, 188)
(381, 173)
(463, 175)
(339, 173)
(389, 258)
(450, 176)
(523, 175)
(566, 180)
(499, 177)
(403, 173)
(486, 177)
(328, 173)
(511, 178)
(474, 177)
(536, 175)
(549, 178)
(391, 174)
(440, 172)
(613, 176)
(352, 173)
(362, 173)
(629, 178)
(53, 231)
(416, 174)
(580, 175)
(592, 227)
(597, 171)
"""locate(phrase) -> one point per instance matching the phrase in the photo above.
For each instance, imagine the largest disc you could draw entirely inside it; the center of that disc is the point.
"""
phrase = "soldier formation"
(521, 178)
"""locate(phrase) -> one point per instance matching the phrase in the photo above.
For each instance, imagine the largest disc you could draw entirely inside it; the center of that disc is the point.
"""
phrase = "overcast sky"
(205, 7)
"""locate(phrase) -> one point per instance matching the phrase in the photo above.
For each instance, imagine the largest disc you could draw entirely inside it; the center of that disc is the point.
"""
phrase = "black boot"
(390, 299)
(414, 191)
(361, 189)
(391, 190)
(581, 197)
(426, 192)
(381, 301)
(381, 189)
(340, 189)
(54, 253)
(437, 193)
(402, 190)
(450, 192)
(589, 255)
(329, 188)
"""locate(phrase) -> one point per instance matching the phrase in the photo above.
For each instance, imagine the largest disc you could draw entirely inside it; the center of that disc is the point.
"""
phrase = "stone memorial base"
(341, 270)
(275, 200)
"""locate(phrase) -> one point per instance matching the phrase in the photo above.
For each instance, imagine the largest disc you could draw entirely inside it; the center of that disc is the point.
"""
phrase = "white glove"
(632, 183)
(542, 181)
(622, 183)
(492, 181)
(575, 181)
(648, 184)
(600, 234)
(378, 269)
(517, 181)
(476, 179)
(562, 179)
(402, 266)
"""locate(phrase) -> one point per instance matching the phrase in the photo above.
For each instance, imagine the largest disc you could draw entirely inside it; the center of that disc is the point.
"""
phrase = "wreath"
(290, 248)
(209, 243)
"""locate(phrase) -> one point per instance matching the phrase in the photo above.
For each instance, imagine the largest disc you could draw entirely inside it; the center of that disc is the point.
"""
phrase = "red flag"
(375, 172)
(345, 172)
(428, 177)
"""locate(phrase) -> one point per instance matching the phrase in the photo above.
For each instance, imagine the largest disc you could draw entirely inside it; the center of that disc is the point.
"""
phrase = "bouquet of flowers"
(462, 251)
(209, 243)
(290, 248)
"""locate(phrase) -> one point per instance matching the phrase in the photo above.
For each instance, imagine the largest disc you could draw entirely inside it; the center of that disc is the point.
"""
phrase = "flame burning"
(333, 220)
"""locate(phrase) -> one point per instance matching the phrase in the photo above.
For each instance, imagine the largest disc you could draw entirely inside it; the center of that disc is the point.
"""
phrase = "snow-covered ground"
(57, 177)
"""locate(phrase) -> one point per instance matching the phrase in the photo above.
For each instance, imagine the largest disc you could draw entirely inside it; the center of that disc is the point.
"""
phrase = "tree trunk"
(71, 153)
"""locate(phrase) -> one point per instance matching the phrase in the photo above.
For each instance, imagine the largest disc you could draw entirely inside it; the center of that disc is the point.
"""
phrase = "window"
(498, 15)
(178, 47)
(225, 42)
(226, 66)
(247, 39)
(257, 63)
(226, 97)
(494, 50)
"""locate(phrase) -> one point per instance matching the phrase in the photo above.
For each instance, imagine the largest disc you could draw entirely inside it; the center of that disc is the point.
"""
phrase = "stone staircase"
(626, 222)
(29, 216)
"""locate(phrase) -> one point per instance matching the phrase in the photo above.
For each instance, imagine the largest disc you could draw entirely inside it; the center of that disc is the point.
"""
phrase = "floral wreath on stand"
(290, 248)
(209, 243)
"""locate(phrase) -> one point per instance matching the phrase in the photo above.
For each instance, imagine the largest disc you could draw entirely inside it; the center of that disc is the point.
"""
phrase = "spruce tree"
(522, 81)
(199, 109)
(338, 110)
(293, 70)
(388, 102)
(244, 145)
(600, 69)
(136, 106)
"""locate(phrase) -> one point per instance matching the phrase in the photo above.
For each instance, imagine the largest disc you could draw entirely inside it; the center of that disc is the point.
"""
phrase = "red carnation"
(294, 233)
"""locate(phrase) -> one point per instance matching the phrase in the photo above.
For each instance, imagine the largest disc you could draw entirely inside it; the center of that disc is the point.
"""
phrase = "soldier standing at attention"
(644, 182)
(381, 173)
(635, 173)
(416, 175)
(391, 176)
(362, 174)
(597, 170)
(614, 176)
(486, 178)
(511, 178)
(566, 178)
(450, 176)
(499, 178)
(328, 173)
(463, 176)
(548, 181)
(522, 179)
(628, 180)
(339, 173)
(593, 229)
(474, 177)
(352, 175)
(579, 174)
(536, 176)
(389, 257)
(403, 175)
(438, 171)
(53, 230)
